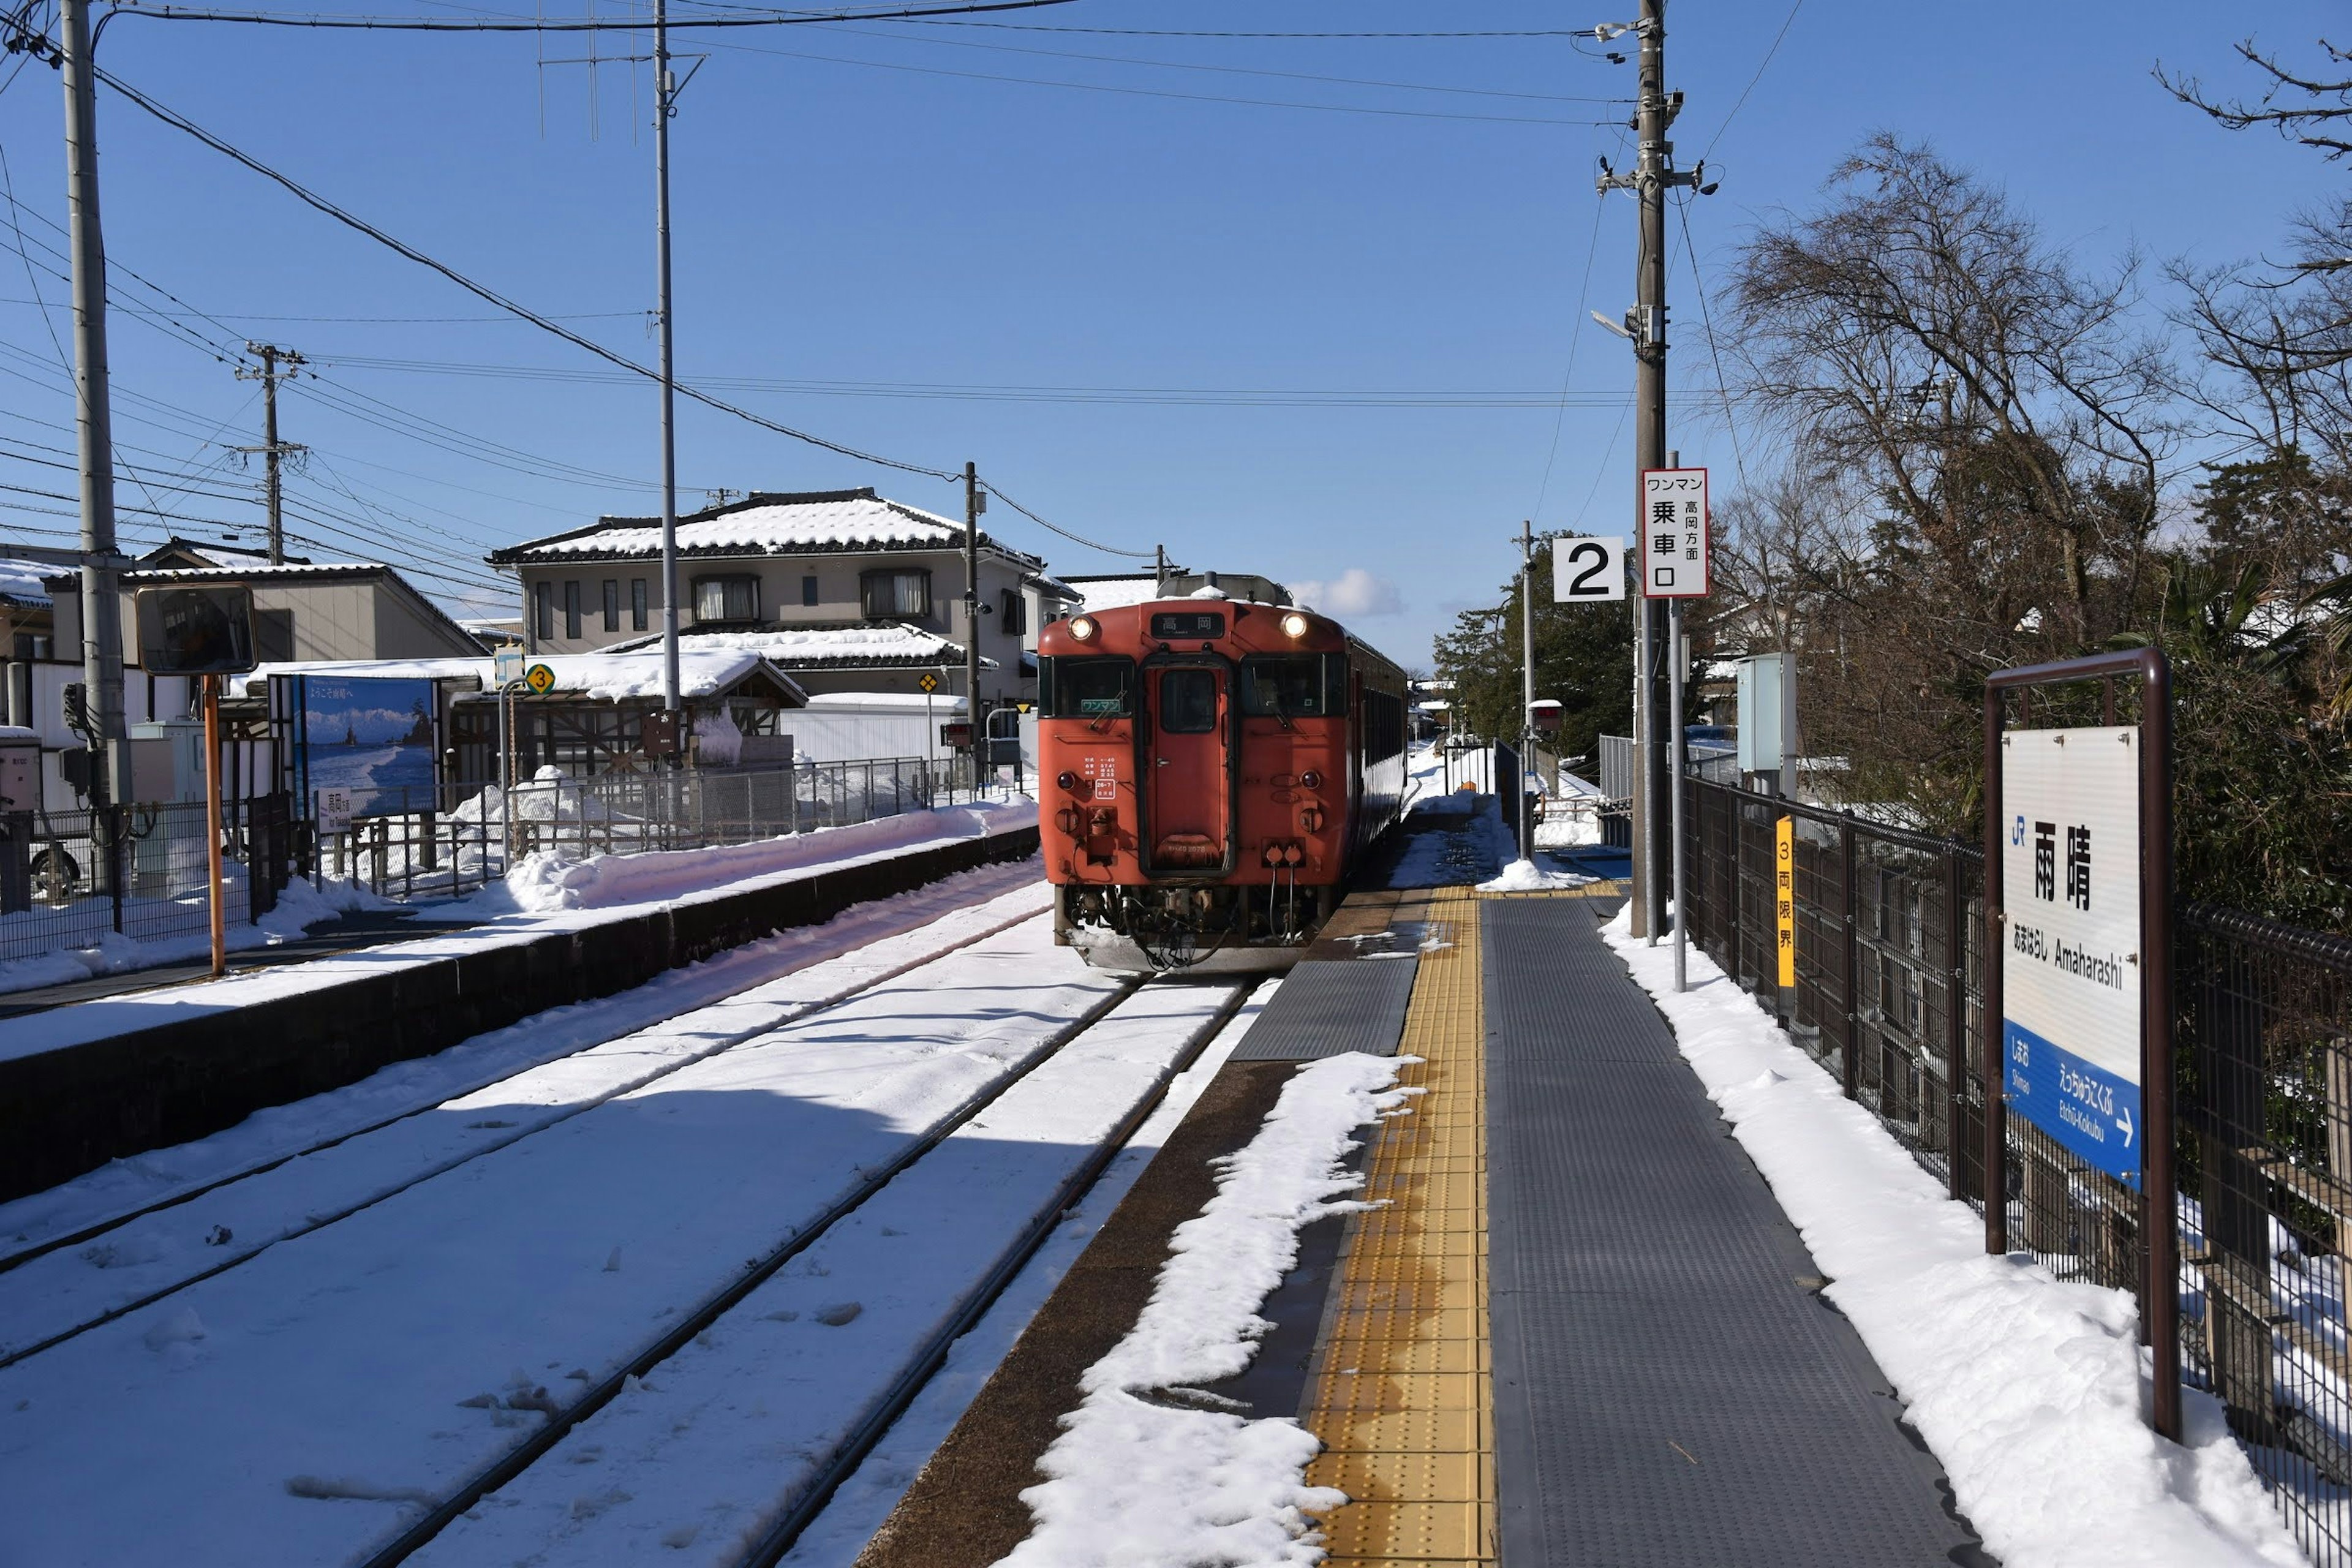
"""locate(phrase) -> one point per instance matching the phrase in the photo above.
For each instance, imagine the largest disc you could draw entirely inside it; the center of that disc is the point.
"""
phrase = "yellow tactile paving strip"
(1403, 1396)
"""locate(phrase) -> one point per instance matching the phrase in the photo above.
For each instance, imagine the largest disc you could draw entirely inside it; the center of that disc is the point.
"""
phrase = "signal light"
(1311, 779)
(1066, 779)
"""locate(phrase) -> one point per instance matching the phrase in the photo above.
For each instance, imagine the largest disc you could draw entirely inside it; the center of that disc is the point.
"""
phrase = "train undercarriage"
(1204, 928)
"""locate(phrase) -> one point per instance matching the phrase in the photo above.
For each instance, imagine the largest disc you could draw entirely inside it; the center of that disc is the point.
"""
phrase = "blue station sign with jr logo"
(2071, 1003)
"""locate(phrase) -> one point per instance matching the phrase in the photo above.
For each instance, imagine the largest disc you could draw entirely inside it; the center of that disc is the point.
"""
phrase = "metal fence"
(69, 880)
(1889, 998)
(454, 839)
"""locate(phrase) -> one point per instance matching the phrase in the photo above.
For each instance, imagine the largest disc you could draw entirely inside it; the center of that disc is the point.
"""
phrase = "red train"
(1211, 769)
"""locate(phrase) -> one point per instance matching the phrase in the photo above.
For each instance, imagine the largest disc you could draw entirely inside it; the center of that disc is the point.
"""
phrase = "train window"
(1188, 701)
(1087, 688)
(1169, 625)
(1276, 686)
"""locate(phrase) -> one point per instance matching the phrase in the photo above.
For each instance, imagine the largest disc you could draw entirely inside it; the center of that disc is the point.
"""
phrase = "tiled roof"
(856, 645)
(817, 522)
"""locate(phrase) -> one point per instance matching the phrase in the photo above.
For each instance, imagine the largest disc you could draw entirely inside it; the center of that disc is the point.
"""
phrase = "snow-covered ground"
(186, 925)
(728, 1434)
(302, 1406)
(1143, 1477)
(2029, 1390)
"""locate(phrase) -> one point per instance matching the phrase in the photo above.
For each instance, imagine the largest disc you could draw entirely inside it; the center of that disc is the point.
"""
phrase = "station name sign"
(2071, 992)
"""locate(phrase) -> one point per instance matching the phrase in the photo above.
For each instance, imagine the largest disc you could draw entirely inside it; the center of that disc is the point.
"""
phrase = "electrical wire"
(1056, 528)
(1706, 319)
(502, 23)
(1737, 103)
(1576, 338)
(1171, 33)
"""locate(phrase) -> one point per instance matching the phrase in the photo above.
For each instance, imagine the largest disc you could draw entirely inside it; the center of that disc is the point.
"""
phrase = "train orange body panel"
(1211, 771)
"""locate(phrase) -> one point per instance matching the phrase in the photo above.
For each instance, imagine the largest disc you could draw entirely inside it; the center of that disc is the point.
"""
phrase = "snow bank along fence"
(435, 842)
(73, 879)
(274, 1039)
(1889, 996)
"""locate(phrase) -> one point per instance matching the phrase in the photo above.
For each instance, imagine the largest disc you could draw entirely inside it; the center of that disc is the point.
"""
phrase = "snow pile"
(2027, 1389)
(1524, 877)
(546, 880)
(1138, 1479)
(716, 741)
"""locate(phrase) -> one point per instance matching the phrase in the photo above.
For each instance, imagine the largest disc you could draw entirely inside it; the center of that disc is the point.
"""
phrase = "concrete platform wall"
(66, 1112)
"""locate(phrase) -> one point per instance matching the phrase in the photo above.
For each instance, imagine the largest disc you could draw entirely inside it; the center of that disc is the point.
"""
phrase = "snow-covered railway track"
(136, 1261)
(313, 1404)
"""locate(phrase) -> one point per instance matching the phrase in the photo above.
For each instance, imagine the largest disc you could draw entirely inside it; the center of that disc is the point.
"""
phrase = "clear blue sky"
(922, 209)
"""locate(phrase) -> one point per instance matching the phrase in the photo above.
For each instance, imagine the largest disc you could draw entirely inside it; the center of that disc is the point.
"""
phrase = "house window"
(895, 595)
(273, 635)
(727, 598)
(808, 589)
(572, 609)
(636, 604)
(542, 600)
(612, 603)
(1014, 620)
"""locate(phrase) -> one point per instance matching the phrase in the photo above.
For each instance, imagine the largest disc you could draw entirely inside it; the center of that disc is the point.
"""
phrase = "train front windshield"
(1087, 688)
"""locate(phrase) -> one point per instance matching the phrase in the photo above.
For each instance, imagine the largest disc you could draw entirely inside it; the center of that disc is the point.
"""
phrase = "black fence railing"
(449, 840)
(1889, 998)
(69, 880)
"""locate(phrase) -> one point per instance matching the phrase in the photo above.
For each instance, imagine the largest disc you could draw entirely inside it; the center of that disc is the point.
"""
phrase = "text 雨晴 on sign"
(2070, 887)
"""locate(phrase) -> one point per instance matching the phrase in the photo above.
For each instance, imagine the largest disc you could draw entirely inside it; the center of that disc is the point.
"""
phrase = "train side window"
(1188, 701)
(1285, 686)
(1087, 688)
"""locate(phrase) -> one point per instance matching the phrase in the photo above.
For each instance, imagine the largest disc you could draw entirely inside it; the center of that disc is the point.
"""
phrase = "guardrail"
(1889, 999)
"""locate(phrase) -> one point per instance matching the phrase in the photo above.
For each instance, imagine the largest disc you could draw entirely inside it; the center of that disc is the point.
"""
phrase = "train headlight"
(1294, 625)
(1083, 627)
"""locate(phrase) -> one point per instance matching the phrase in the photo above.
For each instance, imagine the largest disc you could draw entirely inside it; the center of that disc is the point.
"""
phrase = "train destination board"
(2070, 870)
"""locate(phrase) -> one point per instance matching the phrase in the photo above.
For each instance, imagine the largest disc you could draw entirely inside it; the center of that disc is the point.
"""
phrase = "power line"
(1583, 292)
(1074, 538)
(1171, 33)
(1785, 24)
(502, 23)
(1706, 319)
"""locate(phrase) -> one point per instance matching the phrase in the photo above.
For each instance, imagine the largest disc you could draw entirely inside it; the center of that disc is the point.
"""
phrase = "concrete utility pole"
(1651, 178)
(1527, 684)
(101, 610)
(664, 98)
(975, 735)
(271, 448)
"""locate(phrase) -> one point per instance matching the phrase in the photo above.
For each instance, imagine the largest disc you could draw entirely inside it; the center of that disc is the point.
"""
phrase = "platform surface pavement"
(1582, 1331)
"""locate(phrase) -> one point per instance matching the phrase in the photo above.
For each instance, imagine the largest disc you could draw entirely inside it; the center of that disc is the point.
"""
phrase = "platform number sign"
(1674, 544)
(2070, 871)
(1588, 570)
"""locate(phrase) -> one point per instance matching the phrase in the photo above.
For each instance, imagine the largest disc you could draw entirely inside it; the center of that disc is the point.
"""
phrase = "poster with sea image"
(371, 738)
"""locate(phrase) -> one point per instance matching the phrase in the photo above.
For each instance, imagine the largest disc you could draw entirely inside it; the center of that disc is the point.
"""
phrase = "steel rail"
(319, 1221)
(559, 1423)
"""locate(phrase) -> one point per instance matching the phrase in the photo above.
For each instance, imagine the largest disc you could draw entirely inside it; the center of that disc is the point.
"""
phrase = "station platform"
(1576, 1329)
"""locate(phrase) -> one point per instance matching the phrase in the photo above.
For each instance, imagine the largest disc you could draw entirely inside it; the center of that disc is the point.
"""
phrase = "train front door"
(1189, 798)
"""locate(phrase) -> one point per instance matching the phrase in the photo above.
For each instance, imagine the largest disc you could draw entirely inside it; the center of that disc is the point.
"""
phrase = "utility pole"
(664, 95)
(271, 448)
(1652, 177)
(974, 732)
(1527, 683)
(101, 609)
(1160, 569)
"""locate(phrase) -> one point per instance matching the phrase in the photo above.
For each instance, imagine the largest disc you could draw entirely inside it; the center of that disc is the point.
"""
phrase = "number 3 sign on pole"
(1673, 541)
(1588, 570)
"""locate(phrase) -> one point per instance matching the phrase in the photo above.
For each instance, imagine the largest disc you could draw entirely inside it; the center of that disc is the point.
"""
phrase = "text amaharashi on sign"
(2070, 889)
(1672, 541)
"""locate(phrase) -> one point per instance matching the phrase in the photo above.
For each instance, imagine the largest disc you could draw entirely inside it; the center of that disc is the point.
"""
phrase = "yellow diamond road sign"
(928, 683)
(540, 678)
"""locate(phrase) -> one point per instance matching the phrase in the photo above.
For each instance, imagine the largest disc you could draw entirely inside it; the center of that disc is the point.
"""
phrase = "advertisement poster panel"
(367, 738)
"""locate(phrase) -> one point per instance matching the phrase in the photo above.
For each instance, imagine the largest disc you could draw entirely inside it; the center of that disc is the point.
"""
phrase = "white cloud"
(1354, 591)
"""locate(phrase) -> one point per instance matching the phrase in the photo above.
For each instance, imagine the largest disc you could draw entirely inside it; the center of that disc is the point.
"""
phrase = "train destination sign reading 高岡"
(2070, 888)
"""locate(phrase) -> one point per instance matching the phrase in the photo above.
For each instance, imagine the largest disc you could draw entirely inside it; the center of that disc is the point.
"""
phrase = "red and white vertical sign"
(1672, 541)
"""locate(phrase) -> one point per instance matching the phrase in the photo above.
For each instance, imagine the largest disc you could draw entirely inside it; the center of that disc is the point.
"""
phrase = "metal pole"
(273, 496)
(1651, 168)
(2157, 1187)
(102, 611)
(212, 822)
(664, 92)
(975, 736)
(1993, 1152)
(1679, 783)
(1527, 684)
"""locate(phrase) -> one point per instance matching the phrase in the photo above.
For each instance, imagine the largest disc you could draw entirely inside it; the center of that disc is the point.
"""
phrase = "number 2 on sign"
(1784, 896)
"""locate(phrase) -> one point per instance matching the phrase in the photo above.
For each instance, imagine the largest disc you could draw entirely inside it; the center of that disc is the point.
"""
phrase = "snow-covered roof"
(857, 645)
(1117, 592)
(1053, 587)
(884, 702)
(21, 583)
(816, 523)
(599, 677)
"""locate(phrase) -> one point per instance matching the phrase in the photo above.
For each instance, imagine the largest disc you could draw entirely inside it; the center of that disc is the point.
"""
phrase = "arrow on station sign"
(2125, 1122)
